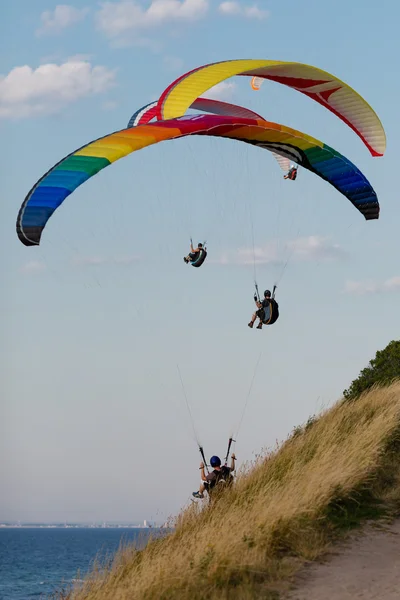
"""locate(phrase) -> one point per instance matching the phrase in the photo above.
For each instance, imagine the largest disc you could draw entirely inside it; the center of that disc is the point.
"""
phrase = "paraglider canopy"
(51, 190)
(320, 86)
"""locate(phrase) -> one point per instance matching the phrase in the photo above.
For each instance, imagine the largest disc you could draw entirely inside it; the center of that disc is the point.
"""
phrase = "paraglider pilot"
(217, 476)
(291, 174)
(267, 312)
(194, 253)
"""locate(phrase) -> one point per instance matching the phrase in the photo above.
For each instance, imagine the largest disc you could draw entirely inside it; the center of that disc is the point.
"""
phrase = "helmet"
(267, 293)
(200, 245)
(215, 461)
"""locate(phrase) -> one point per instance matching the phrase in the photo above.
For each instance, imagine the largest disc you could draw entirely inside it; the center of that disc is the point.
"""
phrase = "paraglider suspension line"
(254, 248)
(288, 259)
(249, 393)
(191, 418)
(188, 406)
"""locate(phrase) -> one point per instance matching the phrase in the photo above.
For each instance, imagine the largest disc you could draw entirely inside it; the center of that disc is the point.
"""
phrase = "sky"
(98, 322)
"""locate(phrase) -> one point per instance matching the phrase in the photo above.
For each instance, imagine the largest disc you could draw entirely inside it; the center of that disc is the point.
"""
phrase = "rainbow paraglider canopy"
(165, 119)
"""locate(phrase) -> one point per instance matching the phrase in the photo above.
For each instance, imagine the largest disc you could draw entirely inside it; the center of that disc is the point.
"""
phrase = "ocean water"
(35, 563)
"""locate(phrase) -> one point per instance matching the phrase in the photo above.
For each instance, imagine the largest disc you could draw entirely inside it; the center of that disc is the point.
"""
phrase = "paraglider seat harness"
(269, 314)
(197, 258)
(222, 477)
(292, 173)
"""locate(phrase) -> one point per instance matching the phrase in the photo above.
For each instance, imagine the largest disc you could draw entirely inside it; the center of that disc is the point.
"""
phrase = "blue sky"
(95, 320)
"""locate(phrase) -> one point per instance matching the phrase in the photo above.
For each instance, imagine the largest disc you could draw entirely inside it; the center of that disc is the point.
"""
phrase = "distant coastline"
(22, 525)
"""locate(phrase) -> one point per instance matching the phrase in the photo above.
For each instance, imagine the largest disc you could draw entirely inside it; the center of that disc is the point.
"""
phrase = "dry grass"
(331, 475)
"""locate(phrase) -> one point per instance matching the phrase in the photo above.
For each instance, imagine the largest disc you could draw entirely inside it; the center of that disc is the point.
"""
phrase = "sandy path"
(367, 568)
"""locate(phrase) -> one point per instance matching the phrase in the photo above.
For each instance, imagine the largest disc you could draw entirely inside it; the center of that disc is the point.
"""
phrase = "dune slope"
(336, 473)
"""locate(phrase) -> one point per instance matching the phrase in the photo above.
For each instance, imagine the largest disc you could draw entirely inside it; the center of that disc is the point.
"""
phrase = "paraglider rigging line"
(191, 418)
(252, 237)
(254, 249)
(248, 394)
(187, 405)
(288, 259)
(254, 253)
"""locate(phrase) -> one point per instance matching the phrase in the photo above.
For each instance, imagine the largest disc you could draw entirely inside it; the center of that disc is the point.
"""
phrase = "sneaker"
(259, 326)
(197, 495)
(251, 324)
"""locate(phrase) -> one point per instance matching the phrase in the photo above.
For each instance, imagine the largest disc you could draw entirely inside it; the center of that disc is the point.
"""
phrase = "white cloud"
(64, 15)
(237, 9)
(371, 287)
(27, 92)
(360, 287)
(221, 91)
(128, 16)
(262, 255)
(55, 58)
(302, 249)
(253, 12)
(230, 8)
(33, 267)
(392, 284)
(315, 247)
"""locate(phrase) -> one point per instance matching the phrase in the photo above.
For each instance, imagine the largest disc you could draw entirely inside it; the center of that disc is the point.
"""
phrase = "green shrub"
(382, 370)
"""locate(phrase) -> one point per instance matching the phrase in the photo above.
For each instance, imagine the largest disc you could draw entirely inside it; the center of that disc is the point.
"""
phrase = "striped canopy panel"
(324, 88)
(71, 172)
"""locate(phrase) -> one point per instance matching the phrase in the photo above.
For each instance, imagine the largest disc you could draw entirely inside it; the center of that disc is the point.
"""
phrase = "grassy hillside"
(331, 475)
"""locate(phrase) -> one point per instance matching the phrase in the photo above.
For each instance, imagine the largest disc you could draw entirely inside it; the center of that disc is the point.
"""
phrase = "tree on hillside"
(382, 370)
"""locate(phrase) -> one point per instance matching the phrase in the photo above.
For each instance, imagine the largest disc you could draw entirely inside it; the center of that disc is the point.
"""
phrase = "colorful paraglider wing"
(315, 156)
(144, 115)
(216, 107)
(58, 183)
(256, 83)
(324, 88)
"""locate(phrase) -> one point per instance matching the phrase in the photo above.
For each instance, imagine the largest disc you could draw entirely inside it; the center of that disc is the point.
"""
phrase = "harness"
(273, 312)
(222, 476)
(198, 261)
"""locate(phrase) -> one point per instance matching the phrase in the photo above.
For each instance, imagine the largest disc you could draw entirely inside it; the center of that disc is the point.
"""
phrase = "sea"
(37, 562)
